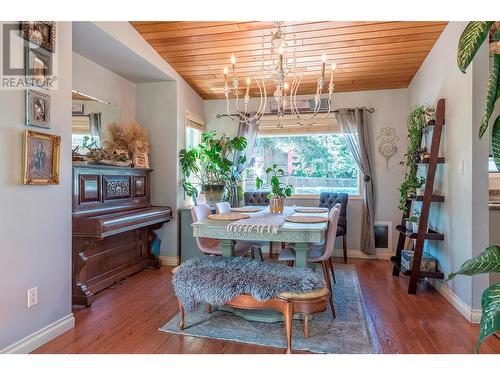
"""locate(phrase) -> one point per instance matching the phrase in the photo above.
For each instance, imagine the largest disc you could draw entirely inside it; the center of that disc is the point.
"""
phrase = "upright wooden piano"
(113, 223)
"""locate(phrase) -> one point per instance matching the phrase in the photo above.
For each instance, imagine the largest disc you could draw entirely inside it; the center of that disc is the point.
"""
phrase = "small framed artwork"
(37, 109)
(38, 67)
(141, 160)
(41, 33)
(41, 158)
(78, 109)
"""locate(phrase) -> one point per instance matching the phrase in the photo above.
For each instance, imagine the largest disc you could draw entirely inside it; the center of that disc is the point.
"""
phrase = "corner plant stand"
(423, 234)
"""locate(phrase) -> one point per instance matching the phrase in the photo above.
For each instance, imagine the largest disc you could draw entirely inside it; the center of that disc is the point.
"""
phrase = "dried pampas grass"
(131, 137)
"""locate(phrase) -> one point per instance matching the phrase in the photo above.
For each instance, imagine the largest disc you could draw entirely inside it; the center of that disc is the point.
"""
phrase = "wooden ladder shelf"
(423, 234)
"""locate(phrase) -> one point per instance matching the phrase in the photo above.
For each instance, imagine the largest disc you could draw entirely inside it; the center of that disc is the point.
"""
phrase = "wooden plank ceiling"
(369, 55)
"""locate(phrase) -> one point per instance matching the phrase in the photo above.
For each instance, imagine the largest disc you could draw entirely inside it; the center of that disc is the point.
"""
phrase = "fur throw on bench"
(217, 280)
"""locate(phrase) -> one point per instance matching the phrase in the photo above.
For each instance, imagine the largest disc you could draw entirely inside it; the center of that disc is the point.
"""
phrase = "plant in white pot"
(210, 167)
(414, 220)
(279, 190)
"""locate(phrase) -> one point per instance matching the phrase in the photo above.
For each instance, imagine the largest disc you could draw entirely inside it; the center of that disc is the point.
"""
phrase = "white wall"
(92, 79)
(35, 221)
(156, 111)
(463, 216)
(391, 111)
(166, 188)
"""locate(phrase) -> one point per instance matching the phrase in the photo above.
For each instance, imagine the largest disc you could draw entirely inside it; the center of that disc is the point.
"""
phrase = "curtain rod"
(369, 110)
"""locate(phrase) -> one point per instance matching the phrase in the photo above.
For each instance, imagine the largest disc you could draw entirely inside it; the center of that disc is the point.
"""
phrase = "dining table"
(301, 234)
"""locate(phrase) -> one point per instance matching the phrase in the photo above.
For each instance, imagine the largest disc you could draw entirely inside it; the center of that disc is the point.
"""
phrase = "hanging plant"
(419, 118)
(470, 41)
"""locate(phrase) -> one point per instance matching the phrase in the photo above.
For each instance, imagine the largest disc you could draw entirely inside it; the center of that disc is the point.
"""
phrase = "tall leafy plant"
(419, 117)
(470, 41)
(211, 162)
(486, 262)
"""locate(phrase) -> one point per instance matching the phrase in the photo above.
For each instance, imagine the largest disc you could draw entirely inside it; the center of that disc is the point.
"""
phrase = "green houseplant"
(414, 220)
(486, 262)
(210, 166)
(279, 190)
(470, 41)
(419, 117)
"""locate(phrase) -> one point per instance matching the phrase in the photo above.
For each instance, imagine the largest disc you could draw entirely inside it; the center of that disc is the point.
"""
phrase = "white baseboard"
(358, 254)
(43, 336)
(472, 315)
(172, 261)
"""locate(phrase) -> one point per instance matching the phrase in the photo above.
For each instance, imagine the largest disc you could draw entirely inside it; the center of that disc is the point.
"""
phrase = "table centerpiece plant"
(279, 190)
(210, 166)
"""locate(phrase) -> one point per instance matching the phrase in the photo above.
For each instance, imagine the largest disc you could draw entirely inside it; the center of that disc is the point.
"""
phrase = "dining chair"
(320, 253)
(328, 200)
(223, 207)
(211, 246)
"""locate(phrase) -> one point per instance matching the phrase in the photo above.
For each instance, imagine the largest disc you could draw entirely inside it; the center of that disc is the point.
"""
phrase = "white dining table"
(301, 234)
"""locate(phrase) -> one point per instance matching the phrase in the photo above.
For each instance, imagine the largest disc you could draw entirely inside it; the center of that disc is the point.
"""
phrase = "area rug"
(348, 333)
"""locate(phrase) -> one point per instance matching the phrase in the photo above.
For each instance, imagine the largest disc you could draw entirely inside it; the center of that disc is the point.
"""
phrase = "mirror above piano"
(98, 136)
(91, 117)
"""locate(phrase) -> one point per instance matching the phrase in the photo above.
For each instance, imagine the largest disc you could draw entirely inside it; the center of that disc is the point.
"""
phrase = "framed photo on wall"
(37, 109)
(41, 158)
(38, 67)
(41, 33)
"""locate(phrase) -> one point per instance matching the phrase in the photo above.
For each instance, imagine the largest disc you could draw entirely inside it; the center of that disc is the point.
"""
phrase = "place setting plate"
(311, 210)
(304, 219)
(246, 209)
(229, 216)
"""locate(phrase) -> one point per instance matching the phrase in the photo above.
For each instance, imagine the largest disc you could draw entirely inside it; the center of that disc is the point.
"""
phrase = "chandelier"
(283, 71)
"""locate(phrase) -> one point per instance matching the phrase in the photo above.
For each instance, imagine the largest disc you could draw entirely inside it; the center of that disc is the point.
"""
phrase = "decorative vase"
(415, 227)
(214, 193)
(276, 205)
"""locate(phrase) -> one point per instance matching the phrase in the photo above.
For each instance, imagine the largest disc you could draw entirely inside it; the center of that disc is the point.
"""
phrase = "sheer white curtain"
(353, 123)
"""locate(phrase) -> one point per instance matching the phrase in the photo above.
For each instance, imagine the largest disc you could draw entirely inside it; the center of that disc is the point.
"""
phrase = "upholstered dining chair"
(223, 207)
(320, 253)
(329, 200)
(211, 246)
(256, 198)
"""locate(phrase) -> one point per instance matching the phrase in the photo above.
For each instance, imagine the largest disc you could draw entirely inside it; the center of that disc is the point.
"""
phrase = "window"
(81, 128)
(313, 163)
(195, 125)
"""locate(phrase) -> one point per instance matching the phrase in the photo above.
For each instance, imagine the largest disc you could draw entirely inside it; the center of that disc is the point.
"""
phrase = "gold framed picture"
(41, 33)
(41, 158)
(141, 160)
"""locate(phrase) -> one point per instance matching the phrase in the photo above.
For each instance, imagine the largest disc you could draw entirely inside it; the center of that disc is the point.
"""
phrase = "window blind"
(269, 125)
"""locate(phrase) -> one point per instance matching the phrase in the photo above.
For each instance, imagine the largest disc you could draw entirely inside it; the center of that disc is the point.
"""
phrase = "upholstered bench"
(286, 302)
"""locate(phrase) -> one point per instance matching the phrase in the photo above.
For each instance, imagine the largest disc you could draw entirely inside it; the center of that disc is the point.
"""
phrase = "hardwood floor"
(126, 319)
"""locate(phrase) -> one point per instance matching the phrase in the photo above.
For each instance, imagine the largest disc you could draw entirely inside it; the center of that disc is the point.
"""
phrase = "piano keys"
(113, 227)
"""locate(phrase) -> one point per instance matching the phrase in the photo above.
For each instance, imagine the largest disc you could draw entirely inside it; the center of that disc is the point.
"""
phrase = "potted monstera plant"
(210, 166)
(486, 262)
(279, 190)
(472, 38)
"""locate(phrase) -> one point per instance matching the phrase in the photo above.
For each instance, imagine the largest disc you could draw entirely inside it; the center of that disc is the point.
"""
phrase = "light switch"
(461, 167)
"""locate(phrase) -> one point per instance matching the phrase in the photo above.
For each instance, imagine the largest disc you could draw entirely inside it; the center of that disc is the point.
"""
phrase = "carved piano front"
(113, 223)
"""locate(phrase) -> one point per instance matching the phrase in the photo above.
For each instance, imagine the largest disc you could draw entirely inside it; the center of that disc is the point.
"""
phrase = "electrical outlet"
(32, 296)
